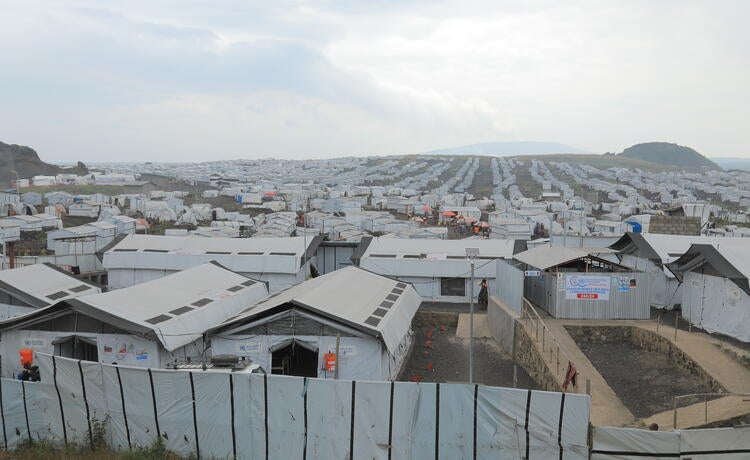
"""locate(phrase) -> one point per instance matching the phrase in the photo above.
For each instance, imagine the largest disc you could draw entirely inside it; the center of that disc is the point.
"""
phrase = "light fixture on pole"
(471, 254)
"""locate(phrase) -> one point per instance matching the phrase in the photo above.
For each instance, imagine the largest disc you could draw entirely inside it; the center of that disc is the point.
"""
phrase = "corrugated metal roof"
(36, 283)
(496, 248)
(544, 257)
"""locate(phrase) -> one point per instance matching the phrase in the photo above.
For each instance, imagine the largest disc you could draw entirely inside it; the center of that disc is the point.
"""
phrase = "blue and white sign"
(587, 287)
(532, 273)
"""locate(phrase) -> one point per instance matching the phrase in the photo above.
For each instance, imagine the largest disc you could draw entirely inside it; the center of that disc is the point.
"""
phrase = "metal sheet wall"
(548, 292)
(508, 284)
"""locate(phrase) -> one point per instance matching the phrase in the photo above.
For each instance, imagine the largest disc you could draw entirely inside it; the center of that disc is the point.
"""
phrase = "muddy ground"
(446, 358)
(645, 381)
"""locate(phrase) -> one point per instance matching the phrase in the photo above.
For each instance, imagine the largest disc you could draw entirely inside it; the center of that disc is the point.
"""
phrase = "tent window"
(57, 295)
(236, 288)
(156, 250)
(411, 256)
(125, 250)
(250, 253)
(248, 283)
(283, 254)
(181, 310)
(453, 287)
(80, 288)
(201, 302)
(158, 319)
(218, 252)
(385, 256)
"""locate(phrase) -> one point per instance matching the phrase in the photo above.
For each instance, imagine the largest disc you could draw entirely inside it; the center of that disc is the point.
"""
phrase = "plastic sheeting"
(628, 443)
(237, 415)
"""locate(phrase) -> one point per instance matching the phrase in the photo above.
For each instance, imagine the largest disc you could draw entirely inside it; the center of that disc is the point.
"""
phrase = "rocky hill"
(668, 154)
(25, 161)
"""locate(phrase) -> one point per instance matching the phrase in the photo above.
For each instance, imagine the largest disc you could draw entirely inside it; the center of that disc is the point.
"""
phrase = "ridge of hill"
(669, 154)
(26, 162)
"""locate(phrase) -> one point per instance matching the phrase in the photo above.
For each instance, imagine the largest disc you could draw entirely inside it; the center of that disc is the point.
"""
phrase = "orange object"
(330, 359)
(27, 356)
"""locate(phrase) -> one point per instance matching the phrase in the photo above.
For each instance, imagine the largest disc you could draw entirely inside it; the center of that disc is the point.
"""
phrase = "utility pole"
(471, 254)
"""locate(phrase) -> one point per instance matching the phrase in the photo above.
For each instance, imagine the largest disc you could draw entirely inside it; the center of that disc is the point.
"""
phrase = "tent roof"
(730, 261)
(663, 248)
(367, 302)
(492, 248)
(545, 257)
(40, 285)
(176, 309)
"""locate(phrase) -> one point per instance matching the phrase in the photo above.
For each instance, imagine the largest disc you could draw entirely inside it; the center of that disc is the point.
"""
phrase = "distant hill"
(669, 154)
(507, 149)
(733, 163)
(25, 161)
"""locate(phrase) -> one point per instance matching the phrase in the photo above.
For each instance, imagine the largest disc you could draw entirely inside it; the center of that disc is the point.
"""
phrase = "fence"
(231, 415)
(627, 443)
(704, 398)
(536, 327)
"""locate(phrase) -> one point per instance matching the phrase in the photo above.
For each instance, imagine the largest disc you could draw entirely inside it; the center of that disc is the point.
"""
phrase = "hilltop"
(25, 161)
(665, 153)
(507, 149)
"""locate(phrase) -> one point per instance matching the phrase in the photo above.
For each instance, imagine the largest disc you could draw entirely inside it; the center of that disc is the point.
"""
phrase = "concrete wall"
(501, 320)
(675, 225)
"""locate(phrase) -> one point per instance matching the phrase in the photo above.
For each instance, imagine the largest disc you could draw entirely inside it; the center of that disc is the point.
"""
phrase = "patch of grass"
(47, 451)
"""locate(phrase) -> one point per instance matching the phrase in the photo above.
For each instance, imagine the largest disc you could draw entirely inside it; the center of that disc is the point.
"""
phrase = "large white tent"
(147, 325)
(28, 288)
(281, 262)
(716, 290)
(651, 252)
(438, 269)
(368, 314)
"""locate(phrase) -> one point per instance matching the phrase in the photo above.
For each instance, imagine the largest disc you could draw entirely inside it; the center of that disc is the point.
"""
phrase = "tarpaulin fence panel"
(611, 443)
(234, 415)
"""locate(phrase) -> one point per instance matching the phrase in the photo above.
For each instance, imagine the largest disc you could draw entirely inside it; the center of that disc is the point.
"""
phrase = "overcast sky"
(191, 81)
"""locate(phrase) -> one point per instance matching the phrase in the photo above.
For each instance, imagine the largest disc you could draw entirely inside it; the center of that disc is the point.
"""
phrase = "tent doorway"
(294, 358)
(77, 347)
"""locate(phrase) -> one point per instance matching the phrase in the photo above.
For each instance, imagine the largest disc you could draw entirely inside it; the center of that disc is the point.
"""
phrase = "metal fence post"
(674, 420)
(676, 324)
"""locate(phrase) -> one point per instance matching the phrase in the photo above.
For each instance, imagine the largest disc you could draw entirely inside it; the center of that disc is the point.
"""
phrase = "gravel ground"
(645, 381)
(446, 358)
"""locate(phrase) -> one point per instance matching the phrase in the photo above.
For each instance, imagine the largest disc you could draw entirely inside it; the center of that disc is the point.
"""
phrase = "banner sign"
(587, 287)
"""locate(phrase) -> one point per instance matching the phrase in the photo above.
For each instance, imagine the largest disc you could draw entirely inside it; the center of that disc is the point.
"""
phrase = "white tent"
(25, 289)
(282, 262)
(716, 290)
(371, 315)
(438, 269)
(147, 325)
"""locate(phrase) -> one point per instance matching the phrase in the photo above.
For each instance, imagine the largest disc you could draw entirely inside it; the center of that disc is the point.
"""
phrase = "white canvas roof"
(176, 309)
(243, 255)
(41, 285)
(368, 302)
(667, 248)
(496, 249)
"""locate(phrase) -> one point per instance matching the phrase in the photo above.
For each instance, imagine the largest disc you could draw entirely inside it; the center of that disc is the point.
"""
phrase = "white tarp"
(611, 443)
(221, 415)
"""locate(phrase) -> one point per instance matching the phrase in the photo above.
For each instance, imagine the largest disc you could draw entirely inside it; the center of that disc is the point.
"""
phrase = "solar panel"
(57, 295)
(401, 285)
(201, 302)
(372, 321)
(397, 291)
(386, 304)
(158, 319)
(181, 310)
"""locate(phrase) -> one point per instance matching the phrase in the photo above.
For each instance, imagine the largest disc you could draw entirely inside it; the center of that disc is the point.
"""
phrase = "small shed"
(577, 283)
(367, 317)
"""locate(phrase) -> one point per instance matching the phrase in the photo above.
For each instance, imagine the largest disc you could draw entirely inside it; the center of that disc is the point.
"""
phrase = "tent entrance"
(77, 347)
(295, 358)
